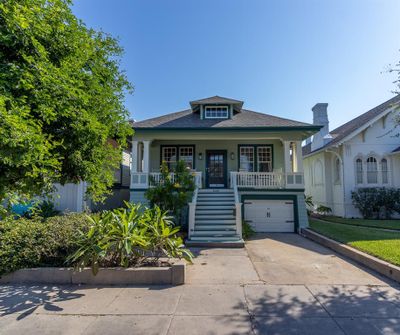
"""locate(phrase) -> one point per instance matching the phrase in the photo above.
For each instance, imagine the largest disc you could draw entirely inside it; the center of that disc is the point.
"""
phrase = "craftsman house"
(247, 166)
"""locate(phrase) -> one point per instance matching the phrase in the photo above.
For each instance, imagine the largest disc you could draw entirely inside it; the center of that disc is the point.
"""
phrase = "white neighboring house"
(71, 197)
(364, 152)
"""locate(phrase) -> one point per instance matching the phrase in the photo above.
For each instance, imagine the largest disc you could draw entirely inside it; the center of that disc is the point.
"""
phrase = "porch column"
(286, 152)
(135, 154)
(146, 156)
(299, 157)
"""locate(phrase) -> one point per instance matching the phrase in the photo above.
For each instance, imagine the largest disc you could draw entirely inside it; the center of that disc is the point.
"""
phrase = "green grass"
(382, 244)
(388, 224)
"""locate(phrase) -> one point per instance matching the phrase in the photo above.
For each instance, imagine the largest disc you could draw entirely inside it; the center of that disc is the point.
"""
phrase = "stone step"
(216, 206)
(215, 244)
(214, 217)
(200, 211)
(215, 238)
(215, 222)
(214, 234)
(215, 227)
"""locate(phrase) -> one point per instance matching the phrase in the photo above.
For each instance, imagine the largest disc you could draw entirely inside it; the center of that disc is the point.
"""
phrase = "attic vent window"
(216, 112)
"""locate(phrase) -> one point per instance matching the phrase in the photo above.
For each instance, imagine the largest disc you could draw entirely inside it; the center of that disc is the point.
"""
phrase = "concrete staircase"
(215, 221)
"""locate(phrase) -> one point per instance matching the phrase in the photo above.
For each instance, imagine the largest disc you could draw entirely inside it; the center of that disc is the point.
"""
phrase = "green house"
(247, 166)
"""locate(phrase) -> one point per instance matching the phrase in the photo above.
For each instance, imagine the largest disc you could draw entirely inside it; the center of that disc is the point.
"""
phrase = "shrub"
(247, 230)
(32, 243)
(324, 210)
(130, 236)
(371, 202)
(172, 194)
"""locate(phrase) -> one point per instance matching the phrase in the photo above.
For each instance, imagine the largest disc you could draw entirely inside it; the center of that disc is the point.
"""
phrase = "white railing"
(267, 180)
(192, 210)
(145, 180)
(238, 206)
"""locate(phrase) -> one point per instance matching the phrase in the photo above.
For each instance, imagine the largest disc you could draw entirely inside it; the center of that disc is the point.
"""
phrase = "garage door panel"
(270, 215)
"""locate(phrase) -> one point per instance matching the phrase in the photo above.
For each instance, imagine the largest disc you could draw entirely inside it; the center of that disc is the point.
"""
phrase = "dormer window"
(216, 112)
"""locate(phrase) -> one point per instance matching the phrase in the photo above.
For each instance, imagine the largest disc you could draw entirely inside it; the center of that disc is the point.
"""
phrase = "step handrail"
(192, 205)
(238, 204)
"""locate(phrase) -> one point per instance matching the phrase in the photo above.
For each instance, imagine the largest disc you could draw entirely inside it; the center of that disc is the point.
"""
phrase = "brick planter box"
(171, 275)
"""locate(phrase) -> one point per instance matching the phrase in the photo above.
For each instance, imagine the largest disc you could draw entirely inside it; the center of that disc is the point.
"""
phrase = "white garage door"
(270, 215)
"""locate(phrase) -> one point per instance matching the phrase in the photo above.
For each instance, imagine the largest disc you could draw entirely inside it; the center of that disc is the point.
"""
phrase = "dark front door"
(216, 168)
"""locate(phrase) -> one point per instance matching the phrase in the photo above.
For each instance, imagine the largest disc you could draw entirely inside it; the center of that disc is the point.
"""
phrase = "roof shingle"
(246, 118)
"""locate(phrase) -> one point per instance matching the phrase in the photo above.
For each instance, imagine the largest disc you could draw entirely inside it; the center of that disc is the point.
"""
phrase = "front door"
(216, 169)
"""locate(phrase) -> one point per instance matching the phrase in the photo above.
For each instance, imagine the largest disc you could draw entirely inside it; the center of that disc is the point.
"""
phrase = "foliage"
(324, 210)
(46, 209)
(309, 201)
(62, 117)
(130, 236)
(247, 230)
(373, 202)
(172, 194)
(32, 243)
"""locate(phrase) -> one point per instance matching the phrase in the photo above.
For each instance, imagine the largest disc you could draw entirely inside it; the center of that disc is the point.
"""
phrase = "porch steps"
(215, 222)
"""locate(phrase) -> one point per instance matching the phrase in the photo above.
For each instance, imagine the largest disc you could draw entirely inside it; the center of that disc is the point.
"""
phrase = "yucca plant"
(162, 236)
(128, 236)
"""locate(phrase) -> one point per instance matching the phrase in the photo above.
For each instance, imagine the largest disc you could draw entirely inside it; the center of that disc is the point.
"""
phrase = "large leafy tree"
(62, 117)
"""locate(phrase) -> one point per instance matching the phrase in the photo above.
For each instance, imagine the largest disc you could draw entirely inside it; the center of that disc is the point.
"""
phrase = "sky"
(279, 57)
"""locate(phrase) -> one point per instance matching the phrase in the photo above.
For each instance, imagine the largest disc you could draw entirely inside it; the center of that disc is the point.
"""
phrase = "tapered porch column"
(146, 156)
(286, 152)
(299, 157)
(135, 155)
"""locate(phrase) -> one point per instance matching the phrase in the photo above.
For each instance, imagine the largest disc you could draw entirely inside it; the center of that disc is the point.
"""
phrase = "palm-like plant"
(128, 236)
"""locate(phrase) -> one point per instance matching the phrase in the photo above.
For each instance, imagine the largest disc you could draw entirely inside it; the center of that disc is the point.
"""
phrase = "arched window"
(336, 171)
(372, 170)
(384, 168)
(359, 171)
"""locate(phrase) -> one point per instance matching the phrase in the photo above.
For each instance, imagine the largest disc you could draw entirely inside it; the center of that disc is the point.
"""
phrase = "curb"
(382, 267)
(171, 275)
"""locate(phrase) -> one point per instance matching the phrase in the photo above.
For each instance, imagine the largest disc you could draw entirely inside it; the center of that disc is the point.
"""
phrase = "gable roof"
(216, 99)
(348, 128)
(396, 150)
(245, 119)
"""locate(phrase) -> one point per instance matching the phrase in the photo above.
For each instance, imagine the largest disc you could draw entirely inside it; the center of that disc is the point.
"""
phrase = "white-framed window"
(384, 169)
(359, 171)
(246, 159)
(264, 159)
(216, 112)
(173, 154)
(169, 156)
(336, 171)
(372, 170)
(186, 154)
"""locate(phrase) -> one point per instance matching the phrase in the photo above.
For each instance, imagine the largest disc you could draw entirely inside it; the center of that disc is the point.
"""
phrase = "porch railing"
(267, 180)
(143, 180)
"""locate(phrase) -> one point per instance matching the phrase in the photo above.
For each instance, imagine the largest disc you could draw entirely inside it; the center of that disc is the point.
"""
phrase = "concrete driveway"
(279, 284)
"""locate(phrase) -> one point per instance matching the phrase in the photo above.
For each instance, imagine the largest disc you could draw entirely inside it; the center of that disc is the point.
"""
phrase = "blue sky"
(279, 57)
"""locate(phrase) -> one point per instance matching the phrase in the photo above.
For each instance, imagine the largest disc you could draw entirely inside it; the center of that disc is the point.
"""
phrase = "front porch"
(226, 171)
(243, 164)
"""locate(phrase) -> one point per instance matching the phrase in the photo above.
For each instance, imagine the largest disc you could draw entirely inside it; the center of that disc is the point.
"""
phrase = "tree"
(62, 117)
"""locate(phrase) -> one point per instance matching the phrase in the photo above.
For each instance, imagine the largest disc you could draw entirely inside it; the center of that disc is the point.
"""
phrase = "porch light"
(200, 156)
(232, 155)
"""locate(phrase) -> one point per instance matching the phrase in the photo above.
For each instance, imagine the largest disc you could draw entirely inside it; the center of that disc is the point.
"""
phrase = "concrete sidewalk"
(229, 291)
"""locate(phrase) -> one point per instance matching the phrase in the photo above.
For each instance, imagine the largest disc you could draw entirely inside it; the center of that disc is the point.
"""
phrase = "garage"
(270, 216)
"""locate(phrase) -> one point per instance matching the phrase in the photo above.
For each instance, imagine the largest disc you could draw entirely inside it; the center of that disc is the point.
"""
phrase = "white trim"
(225, 108)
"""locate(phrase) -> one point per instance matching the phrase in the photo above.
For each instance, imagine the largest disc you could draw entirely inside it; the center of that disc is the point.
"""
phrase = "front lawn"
(382, 244)
(387, 224)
